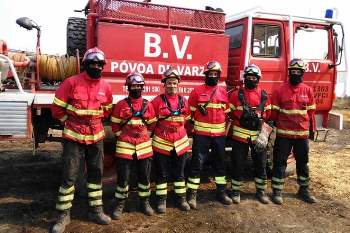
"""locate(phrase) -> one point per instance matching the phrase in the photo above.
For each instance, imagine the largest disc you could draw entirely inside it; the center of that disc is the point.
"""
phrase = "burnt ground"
(28, 187)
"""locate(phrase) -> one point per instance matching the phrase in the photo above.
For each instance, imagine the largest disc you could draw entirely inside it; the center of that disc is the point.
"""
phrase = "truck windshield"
(311, 44)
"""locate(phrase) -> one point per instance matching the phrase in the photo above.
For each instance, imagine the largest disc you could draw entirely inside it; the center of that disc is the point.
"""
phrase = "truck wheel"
(76, 36)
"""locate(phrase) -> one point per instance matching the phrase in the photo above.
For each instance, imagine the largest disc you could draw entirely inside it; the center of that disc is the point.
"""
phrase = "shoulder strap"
(211, 97)
(263, 99)
(241, 97)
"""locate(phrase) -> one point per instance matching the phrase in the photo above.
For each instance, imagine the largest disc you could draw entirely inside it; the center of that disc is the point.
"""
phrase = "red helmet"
(171, 73)
(252, 70)
(94, 54)
(296, 63)
(134, 78)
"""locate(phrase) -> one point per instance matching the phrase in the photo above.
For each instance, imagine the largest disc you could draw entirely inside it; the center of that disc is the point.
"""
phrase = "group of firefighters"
(156, 129)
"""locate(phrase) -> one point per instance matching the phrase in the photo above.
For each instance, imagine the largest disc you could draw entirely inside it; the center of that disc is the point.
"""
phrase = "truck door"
(268, 51)
(313, 44)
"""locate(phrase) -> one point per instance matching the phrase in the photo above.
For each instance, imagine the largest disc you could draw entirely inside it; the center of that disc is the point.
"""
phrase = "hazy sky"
(52, 16)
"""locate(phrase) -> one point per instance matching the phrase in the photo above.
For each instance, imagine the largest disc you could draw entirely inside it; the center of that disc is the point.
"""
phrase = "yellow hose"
(56, 68)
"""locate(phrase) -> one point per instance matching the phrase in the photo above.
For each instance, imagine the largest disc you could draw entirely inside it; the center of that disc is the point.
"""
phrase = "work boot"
(222, 197)
(261, 196)
(145, 207)
(161, 204)
(118, 210)
(182, 203)
(97, 215)
(192, 198)
(305, 195)
(236, 197)
(62, 221)
(277, 197)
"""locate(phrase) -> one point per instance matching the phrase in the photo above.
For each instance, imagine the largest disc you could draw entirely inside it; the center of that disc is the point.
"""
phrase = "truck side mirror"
(336, 48)
(27, 23)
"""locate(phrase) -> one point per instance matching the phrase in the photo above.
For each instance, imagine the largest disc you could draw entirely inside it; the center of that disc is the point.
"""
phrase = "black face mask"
(135, 93)
(94, 73)
(250, 84)
(211, 81)
(295, 79)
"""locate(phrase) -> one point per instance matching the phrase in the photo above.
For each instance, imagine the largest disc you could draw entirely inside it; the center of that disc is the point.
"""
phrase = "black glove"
(312, 135)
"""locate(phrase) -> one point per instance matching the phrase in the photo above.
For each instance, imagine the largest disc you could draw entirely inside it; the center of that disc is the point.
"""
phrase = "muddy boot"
(118, 210)
(62, 221)
(192, 198)
(277, 197)
(182, 203)
(161, 204)
(97, 215)
(261, 196)
(304, 194)
(236, 197)
(221, 195)
(145, 207)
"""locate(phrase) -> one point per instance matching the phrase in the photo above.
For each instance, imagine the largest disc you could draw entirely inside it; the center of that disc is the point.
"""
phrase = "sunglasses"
(212, 65)
(297, 63)
(171, 73)
(95, 56)
(136, 79)
(252, 70)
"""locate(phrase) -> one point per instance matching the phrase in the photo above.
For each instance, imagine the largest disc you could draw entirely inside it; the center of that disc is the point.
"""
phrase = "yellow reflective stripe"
(150, 121)
(120, 189)
(193, 108)
(63, 206)
(116, 120)
(59, 102)
(161, 140)
(82, 136)
(310, 107)
(95, 194)
(135, 122)
(144, 151)
(64, 118)
(121, 196)
(192, 186)
(182, 140)
(161, 186)
(303, 178)
(180, 190)
(107, 107)
(245, 131)
(220, 130)
(144, 194)
(212, 105)
(275, 107)
(227, 110)
(239, 108)
(260, 181)
(175, 119)
(124, 151)
(89, 112)
(268, 107)
(118, 133)
(220, 180)
(66, 190)
(180, 183)
(275, 179)
(276, 186)
(144, 144)
(125, 145)
(208, 125)
(93, 186)
(161, 192)
(162, 146)
(260, 186)
(95, 203)
(233, 107)
(236, 182)
(293, 111)
(142, 186)
(183, 146)
(292, 132)
(194, 180)
(188, 117)
(69, 197)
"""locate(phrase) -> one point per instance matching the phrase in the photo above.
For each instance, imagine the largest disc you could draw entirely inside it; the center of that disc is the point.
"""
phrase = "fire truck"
(147, 38)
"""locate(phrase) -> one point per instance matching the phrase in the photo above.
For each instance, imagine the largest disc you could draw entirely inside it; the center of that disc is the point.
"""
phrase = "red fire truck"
(145, 37)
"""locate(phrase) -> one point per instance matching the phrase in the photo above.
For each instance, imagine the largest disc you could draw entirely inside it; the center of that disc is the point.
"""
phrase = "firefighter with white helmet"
(170, 141)
(293, 111)
(131, 119)
(209, 106)
(80, 103)
(250, 106)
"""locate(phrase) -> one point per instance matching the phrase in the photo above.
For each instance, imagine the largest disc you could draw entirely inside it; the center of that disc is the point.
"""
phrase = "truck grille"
(159, 15)
(13, 119)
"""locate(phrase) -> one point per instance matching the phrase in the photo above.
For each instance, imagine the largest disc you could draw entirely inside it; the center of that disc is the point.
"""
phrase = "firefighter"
(170, 141)
(208, 105)
(80, 103)
(293, 110)
(131, 118)
(250, 106)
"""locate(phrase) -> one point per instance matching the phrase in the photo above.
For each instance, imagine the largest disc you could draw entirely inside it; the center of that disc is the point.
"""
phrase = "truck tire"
(76, 36)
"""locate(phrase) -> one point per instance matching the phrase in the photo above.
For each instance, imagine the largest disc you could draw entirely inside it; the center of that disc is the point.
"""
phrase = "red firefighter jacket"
(253, 99)
(81, 103)
(130, 130)
(169, 132)
(293, 110)
(214, 122)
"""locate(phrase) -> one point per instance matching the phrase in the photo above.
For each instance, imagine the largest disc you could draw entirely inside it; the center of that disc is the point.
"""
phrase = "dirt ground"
(28, 187)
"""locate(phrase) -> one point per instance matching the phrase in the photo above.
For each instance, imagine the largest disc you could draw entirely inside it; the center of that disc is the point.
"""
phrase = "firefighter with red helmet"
(249, 107)
(80, 103)
(170, 141)
(209, 106)
(131, 119)
(293, 111)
